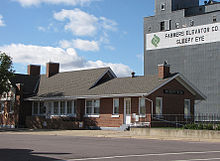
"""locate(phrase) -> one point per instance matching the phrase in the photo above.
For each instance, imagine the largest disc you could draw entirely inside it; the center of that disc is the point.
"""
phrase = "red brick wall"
(105, 118)
(38, 122)
(173, 104)
(106, 110)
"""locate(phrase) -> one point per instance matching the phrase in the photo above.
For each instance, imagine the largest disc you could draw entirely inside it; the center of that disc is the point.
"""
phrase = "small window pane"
(62, 107)
(191, 23)
(49, 107)
(69, 107)
(96, 103)
(162, 26)
(42, 108)
(159, 106)
(177, 25)
(116, 106)
(88, 107)
(35, 112)
(142, 106)
(187, 108)
(163, 7)
(214, 19)
(56, 109)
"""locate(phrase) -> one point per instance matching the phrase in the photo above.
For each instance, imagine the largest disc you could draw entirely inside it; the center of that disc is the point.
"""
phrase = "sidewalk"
(98, 133)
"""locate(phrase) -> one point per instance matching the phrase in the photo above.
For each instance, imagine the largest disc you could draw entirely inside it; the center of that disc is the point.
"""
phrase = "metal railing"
(179, 120)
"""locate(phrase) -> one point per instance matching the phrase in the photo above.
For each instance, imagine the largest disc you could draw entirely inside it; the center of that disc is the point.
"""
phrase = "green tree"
(6, 72)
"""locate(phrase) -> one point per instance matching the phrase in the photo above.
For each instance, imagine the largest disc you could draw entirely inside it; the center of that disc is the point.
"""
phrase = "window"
(142, 107)
(159, 106)
(187, 108)
(96, 107)
(115, 106)
(168, 25)
(88, 107)
(42, 108)
(162, 26)
(70, 107)
(62, 107)
(162, 7)
(56, 108)
(214, 19)
(49, 107)
(177, 25)
(35, 108)
(191, 23)
(92, 107)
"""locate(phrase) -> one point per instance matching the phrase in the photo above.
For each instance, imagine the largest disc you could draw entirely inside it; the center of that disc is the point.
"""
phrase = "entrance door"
(127, 111)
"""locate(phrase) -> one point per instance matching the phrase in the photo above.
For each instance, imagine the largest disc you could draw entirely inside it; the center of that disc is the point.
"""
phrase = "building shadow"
(26, 155)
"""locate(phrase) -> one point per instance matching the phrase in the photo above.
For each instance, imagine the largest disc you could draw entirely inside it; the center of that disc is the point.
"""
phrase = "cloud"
(1, 21)
(84, 45)
(81, 23)
(28, 3)
(69, 59)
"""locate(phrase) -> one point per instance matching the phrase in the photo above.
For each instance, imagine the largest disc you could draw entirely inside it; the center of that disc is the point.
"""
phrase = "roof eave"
(85, 97)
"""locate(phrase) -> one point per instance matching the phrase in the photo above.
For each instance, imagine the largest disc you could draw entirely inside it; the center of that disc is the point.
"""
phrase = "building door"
(127, 111)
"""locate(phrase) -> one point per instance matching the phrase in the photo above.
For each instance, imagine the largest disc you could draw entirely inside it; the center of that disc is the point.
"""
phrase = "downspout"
(152, 106)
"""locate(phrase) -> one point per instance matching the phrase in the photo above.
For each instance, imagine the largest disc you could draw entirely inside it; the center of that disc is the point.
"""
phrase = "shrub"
(201, 127)
(208, 126)
(218, 127)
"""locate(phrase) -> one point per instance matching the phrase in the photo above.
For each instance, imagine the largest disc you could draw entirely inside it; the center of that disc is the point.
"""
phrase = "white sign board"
(183, 37)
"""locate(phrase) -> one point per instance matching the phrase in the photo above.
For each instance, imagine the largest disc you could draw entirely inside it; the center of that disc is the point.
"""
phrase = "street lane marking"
(200, 159)
(143, 155)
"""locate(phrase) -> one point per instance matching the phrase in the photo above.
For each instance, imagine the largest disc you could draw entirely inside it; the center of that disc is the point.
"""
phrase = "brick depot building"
(95, 98)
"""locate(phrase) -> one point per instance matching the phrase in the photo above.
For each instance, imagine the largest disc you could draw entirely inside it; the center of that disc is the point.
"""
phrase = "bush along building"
(97, 98)
(186, 34)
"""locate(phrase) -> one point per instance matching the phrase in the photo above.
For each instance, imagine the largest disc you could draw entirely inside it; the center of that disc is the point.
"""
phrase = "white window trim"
(73, 114)
(94, 116)
(115, 114)
(93, 106)
(139, 108)
(161, 106)
(187, 116)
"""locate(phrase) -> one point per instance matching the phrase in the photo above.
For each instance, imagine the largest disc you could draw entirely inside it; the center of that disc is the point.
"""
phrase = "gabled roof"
(128, 85)
(101, 83)
(71, 83)
(29, 83)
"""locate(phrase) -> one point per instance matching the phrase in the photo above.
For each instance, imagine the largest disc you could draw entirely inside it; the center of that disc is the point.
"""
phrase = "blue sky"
(77, 33)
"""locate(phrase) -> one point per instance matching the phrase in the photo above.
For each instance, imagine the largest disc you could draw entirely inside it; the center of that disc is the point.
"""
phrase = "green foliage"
(218, 127)
(201, 127)
(208, 126)
(6, 72)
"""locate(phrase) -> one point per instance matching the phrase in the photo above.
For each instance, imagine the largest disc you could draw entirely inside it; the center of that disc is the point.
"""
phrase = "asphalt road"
(46, 148)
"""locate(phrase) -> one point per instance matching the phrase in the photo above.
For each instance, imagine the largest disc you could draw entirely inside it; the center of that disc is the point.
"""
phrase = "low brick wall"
(175, 133)
(38, 122)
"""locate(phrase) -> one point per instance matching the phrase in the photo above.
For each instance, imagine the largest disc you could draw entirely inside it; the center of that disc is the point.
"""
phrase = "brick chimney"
(52, 69)
(163, 70)
(33, 70)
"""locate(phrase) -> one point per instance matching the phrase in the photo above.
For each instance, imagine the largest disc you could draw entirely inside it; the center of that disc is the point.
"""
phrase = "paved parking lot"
(23, 147)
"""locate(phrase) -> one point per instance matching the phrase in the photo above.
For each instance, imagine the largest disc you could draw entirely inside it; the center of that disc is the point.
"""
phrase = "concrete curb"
(135, 133)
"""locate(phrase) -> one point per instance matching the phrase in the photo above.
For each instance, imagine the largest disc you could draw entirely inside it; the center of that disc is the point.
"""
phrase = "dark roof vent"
(133, 74)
